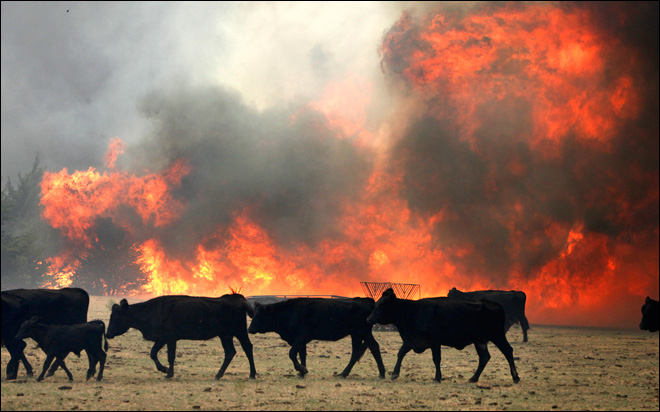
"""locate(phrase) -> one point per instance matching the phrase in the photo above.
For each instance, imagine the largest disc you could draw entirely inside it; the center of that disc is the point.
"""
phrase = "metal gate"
(374, 290)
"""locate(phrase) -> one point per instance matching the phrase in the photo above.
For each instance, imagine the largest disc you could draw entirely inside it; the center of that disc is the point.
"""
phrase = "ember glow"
(520, 154)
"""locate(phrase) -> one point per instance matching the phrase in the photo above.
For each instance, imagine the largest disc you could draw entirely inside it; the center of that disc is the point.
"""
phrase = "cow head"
(27, 327)
(382, 312)
(453, 293)
(240, 300)
(119, 320)
(262, 320)
(650, 315)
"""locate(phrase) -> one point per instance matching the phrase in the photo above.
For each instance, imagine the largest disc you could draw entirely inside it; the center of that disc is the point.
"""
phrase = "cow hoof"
(219, 376)
(395, 375)
(474, 380)
(516, 379)
(253, 377)
(381, 376)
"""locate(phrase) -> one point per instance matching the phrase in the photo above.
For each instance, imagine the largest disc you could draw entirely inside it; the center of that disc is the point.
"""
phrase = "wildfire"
(530, 103)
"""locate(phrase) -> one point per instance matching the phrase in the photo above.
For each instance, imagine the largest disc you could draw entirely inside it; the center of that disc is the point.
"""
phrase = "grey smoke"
(292, 172)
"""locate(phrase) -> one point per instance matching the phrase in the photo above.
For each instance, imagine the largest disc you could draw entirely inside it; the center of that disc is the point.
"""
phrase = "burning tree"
(110, 267)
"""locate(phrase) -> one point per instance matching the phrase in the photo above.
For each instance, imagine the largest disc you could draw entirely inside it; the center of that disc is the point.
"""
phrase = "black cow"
(430, 323)
(299, 321)
(165, 320)
(57, 341)
(512, 301)
(650, 317)
(66, 306)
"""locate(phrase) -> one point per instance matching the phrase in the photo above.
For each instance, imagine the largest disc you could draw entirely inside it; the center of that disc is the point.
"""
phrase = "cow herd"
(57, 321)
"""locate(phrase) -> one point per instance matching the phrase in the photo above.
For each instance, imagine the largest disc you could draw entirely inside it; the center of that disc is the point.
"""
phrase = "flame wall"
(521, 152)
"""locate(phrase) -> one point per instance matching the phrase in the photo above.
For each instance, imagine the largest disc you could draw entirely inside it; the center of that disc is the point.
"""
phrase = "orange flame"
(116, 148)
(547, 55)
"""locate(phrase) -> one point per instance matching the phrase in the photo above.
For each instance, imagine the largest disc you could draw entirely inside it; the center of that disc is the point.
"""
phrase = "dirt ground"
(560, 368)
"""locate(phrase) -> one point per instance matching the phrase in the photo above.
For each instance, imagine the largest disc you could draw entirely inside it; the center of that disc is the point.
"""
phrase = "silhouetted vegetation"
(22, 252)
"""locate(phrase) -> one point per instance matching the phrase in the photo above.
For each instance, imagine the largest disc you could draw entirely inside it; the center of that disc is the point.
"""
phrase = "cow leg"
(102, 357)
(92, 364)
(171, 357)
(402, 352)
(247, 348)
(303, 356)
(358, 349)
(230, 351)
(374, 347)
(154, 356)
(15, 348)
(293, 355)
(504, 347)
(437, 356)
(97, 355)
(26, 364)
(52, 369)
(484, 357)
(60, 362)
(49, 360)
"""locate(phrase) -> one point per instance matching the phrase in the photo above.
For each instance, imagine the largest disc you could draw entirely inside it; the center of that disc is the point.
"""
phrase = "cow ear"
(648, 299)
(36, 319)
(123, 305)
(256, 305)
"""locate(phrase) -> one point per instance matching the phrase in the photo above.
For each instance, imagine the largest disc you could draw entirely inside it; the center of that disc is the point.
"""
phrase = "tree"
(22, 250)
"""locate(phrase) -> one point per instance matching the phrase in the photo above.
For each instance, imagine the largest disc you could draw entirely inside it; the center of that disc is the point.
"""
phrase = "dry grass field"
(560, 369)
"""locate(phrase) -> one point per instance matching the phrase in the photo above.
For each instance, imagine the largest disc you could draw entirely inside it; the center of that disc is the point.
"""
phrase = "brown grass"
(560, 369)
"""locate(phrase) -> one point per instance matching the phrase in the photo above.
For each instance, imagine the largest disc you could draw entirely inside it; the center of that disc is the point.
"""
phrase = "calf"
(57, 341)
(512, 301)
(299, 321)
(166, 319)
(650, 315)
(430, 323)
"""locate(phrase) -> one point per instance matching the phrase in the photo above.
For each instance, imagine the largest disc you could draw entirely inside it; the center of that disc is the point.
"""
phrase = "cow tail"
(102, 325)
(249, 309)
(524, 323)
